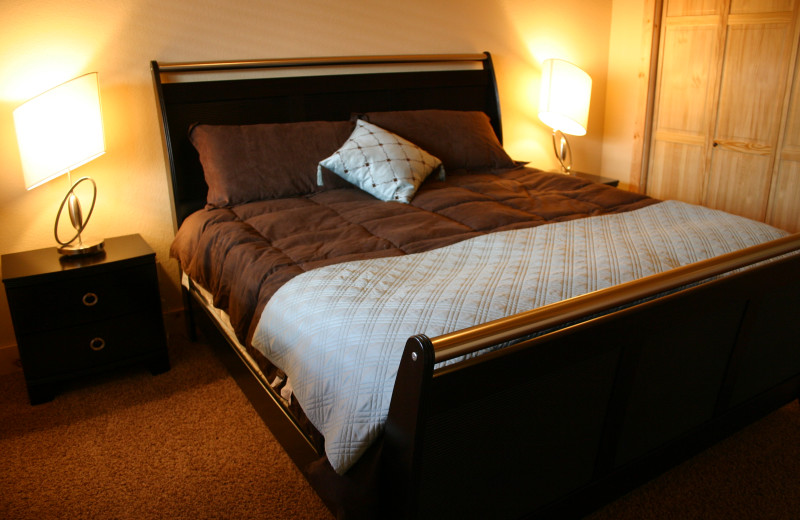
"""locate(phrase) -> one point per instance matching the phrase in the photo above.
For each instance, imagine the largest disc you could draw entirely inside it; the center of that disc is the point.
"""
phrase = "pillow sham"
(461, 139)
(381, 163)
(243, 163)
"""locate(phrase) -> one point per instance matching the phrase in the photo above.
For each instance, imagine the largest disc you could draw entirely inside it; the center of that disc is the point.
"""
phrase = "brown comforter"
(245, 253)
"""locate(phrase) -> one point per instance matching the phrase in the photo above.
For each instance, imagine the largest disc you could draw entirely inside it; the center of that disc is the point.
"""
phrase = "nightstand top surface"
(596, 178)
(47, 262)
(599, 179)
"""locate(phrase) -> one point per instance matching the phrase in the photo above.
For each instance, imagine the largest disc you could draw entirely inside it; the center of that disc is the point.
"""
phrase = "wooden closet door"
(689, 63)
(785, 201)
(723, 132)
(759, 46)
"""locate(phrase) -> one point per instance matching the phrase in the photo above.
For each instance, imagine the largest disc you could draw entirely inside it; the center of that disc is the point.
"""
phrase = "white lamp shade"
(59, 130)
(564, 97)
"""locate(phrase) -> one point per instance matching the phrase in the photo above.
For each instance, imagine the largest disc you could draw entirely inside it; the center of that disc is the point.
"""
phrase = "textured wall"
(46, 42)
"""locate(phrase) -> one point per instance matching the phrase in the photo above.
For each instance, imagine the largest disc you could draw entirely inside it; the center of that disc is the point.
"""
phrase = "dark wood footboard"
(556, 425)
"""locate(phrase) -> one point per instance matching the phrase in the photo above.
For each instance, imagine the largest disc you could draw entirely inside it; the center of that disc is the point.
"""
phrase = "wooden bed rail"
(200, 66)
(472, 339)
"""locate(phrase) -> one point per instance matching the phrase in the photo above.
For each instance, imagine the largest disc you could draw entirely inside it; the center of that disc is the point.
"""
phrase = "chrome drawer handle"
(97, 344)
(89, 299)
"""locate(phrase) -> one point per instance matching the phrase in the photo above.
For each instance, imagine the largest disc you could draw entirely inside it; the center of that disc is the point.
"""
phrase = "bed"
(443, 331)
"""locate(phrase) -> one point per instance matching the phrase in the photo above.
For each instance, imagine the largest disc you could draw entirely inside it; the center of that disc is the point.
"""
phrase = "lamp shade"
(59, 130)
(564, 97)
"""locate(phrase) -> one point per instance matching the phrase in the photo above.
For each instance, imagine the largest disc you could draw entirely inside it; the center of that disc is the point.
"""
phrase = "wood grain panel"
(784, 211)
(744, 146)
(722, 101)
(694, 7)
(759, 18)
(785, 208)
(687, 78)
(680, 137)
(739, 183)
(753, 83)
(760, 6)
(676, 172)
(791, 137)
(751, 105)
(684, 107)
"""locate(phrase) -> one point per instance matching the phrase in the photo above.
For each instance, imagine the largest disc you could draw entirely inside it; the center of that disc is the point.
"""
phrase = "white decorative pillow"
(381, 163)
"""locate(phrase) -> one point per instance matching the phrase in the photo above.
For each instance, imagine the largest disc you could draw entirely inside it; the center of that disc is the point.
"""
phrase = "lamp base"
(83, 247)
(563, 151)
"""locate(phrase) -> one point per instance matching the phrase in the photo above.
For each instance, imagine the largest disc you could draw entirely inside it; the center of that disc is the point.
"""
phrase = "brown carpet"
(187, 444)
(751, 475)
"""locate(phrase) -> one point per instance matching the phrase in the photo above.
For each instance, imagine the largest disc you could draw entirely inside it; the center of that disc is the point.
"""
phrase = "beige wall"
(626, 84)
(45, 42)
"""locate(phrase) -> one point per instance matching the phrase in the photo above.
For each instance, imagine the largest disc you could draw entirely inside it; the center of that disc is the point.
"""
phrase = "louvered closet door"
(722, 104)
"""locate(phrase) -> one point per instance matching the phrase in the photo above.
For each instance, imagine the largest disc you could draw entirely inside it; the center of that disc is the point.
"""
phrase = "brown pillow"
(266, 161)
(462, 140)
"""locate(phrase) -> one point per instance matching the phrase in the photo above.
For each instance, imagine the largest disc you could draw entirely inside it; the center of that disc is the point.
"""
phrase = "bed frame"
(622, 384)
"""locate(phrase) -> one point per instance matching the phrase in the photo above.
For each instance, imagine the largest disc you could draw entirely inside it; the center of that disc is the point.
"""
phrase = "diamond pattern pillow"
(381, 163)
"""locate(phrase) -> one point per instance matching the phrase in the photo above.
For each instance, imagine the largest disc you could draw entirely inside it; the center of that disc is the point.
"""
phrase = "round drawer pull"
(89, 299)
(97, 344)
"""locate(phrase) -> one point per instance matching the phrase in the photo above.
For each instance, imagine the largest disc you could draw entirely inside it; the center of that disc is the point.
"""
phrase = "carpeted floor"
(187, 445)
(752, 475)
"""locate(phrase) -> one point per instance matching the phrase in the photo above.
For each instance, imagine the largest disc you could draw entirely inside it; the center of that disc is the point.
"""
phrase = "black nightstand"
(78, 316)
(596, 178)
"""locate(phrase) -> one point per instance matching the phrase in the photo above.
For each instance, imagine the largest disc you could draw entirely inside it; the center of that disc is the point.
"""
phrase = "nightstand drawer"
(83, 299)
(87, 347)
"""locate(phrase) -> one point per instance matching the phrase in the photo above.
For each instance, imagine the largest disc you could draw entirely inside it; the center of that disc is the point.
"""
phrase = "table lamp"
(58, 131)
(564, 105)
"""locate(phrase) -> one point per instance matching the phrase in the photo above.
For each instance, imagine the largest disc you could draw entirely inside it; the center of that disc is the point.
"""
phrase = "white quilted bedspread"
(339, 331)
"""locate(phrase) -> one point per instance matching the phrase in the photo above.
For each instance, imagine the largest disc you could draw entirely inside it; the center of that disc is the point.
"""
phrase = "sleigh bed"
(483, 340)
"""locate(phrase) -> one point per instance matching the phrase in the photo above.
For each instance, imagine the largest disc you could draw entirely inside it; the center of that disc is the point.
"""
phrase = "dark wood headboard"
(191, 93)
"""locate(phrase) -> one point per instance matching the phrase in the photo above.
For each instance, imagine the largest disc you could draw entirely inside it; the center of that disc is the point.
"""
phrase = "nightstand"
(596, 178)
(76, 316)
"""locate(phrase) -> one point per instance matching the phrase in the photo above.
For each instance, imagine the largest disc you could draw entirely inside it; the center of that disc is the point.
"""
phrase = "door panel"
(739, 183)
(753, 83)
(694, 7)
(785, 212)
(677, 172)
(749, 118)
(684, 113)
(785, 203)
(687, 78)
(760, 6)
